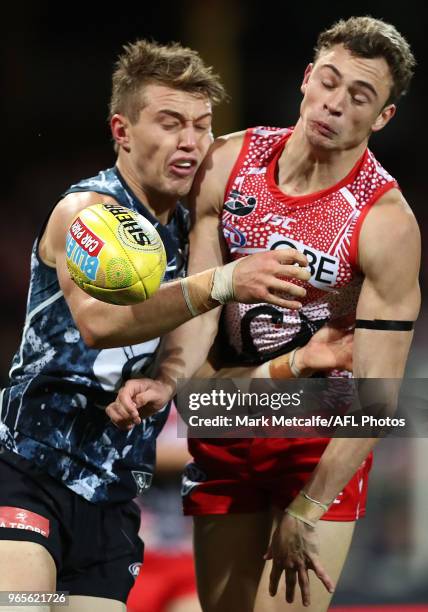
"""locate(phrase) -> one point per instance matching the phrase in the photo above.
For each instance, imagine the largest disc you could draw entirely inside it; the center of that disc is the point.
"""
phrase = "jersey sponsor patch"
(324, 268)
(19, 518)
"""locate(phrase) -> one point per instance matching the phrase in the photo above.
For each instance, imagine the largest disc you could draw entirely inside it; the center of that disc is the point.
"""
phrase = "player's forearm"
(339, 462)
(343, 456)
(106, 326)
(289, 365)
(186, 349)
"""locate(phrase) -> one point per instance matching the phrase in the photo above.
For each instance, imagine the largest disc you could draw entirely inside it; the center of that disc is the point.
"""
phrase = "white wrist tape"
(222, 289)
(293, 367)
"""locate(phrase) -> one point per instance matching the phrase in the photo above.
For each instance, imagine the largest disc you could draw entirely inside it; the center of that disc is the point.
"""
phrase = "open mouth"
(183, 168)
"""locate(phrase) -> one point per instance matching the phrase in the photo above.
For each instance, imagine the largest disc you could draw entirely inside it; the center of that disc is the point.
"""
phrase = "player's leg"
(334, 540)
(26, 566)
(229, 562)
(28, 530)
(187, 603)
(99, 567)
(81, 603)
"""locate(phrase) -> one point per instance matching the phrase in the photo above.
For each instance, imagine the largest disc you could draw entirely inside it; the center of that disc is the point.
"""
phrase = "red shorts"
(253, 474)
(163, 579)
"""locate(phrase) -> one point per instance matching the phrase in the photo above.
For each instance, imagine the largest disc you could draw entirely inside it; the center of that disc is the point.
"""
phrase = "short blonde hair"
(368, 37)
(144, 62)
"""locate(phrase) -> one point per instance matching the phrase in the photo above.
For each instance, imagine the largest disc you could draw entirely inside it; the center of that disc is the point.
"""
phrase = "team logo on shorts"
(192, 476)
(134, 568)
(240, 205)
(143, 480)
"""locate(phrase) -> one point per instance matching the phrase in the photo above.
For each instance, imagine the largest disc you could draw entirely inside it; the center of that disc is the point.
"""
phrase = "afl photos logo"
(240, 205)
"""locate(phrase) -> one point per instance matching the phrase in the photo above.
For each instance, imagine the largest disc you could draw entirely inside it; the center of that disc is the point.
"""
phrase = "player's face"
(344, 99)
(168, 142)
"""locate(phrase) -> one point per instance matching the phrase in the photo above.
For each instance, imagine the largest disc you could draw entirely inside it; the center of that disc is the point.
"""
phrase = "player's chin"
(322, 141)
(180, 187)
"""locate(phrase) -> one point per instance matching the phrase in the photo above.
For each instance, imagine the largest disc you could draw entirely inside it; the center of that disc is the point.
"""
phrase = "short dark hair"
(368, 37)
(144, 62)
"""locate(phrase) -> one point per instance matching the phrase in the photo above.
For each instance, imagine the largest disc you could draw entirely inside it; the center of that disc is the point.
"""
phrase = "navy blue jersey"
(52, 412)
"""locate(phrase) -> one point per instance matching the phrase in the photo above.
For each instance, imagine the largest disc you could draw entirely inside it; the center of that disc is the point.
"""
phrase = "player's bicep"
(390, 249)
(55, 241)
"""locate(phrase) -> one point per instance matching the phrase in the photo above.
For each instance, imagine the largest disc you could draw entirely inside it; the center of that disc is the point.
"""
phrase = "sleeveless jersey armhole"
(353, 248)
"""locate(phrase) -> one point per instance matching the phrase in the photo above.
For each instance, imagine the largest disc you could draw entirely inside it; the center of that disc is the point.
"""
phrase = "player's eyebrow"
(358, 82)
(180, 117)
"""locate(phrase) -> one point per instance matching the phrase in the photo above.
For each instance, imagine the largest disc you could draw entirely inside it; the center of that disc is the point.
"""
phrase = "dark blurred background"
(56, 62)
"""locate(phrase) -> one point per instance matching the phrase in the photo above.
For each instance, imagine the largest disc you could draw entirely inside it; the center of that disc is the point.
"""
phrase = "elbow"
(93, 337)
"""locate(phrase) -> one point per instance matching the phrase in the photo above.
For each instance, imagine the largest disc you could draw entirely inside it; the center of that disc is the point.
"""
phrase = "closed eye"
(328, 84)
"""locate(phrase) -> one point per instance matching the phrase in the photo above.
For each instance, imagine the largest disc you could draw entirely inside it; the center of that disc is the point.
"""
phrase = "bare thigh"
(229, 561)
(334, 539)
(26, 566)
(187, 603)
(80, 603)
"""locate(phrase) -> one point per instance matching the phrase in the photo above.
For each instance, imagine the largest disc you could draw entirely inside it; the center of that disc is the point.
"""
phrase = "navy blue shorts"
(96, 548)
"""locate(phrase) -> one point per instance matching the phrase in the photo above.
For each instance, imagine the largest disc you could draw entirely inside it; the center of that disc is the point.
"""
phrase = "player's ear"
(119, 129)
(384, 117)
(306, 78)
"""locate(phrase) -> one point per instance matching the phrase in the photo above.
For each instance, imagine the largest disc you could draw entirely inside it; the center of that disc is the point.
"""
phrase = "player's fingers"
(141, 399)
(275, 300)
(302, 574)
(290, 584)
(149, 397)
(290, 256)
(274, 578)
(125, 397)
(128, 411)
(283, 286)
(292, 271)
(322, 575)
(121, 417)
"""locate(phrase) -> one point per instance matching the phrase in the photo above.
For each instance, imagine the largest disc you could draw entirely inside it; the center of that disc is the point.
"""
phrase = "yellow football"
(115, 254)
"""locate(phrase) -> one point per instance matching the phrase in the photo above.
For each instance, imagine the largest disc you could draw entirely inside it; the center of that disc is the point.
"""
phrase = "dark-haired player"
(317, 188)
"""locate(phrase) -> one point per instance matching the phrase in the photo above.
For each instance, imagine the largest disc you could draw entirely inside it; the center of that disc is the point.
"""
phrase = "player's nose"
(334, 103)
(187, 138)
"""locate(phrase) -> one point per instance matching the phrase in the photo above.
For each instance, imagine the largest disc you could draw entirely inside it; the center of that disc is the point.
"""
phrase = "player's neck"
(159, 205)
(303, 170)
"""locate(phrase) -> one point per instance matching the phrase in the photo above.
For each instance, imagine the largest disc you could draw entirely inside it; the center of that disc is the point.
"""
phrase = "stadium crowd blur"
(56, 83)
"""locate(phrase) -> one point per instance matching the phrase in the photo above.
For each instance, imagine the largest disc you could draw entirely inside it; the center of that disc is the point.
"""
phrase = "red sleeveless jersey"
(325, 226)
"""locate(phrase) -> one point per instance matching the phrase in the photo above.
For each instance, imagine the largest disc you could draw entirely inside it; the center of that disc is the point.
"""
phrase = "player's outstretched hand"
(138, 399)
(294, 549)
(330, 348)
(263, 277)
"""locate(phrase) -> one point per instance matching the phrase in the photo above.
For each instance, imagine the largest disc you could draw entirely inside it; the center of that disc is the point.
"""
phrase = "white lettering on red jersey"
(325, 226)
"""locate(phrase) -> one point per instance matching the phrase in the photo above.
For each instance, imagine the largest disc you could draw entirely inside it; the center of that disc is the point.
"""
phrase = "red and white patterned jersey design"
(325, 226)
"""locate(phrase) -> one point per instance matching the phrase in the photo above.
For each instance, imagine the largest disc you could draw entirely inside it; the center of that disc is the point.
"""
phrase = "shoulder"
(389, 231)
(53, 239)
(224, 151)
(212, 177)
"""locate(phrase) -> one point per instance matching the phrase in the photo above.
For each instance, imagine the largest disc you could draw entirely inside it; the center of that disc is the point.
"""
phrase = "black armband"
(384, 325)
